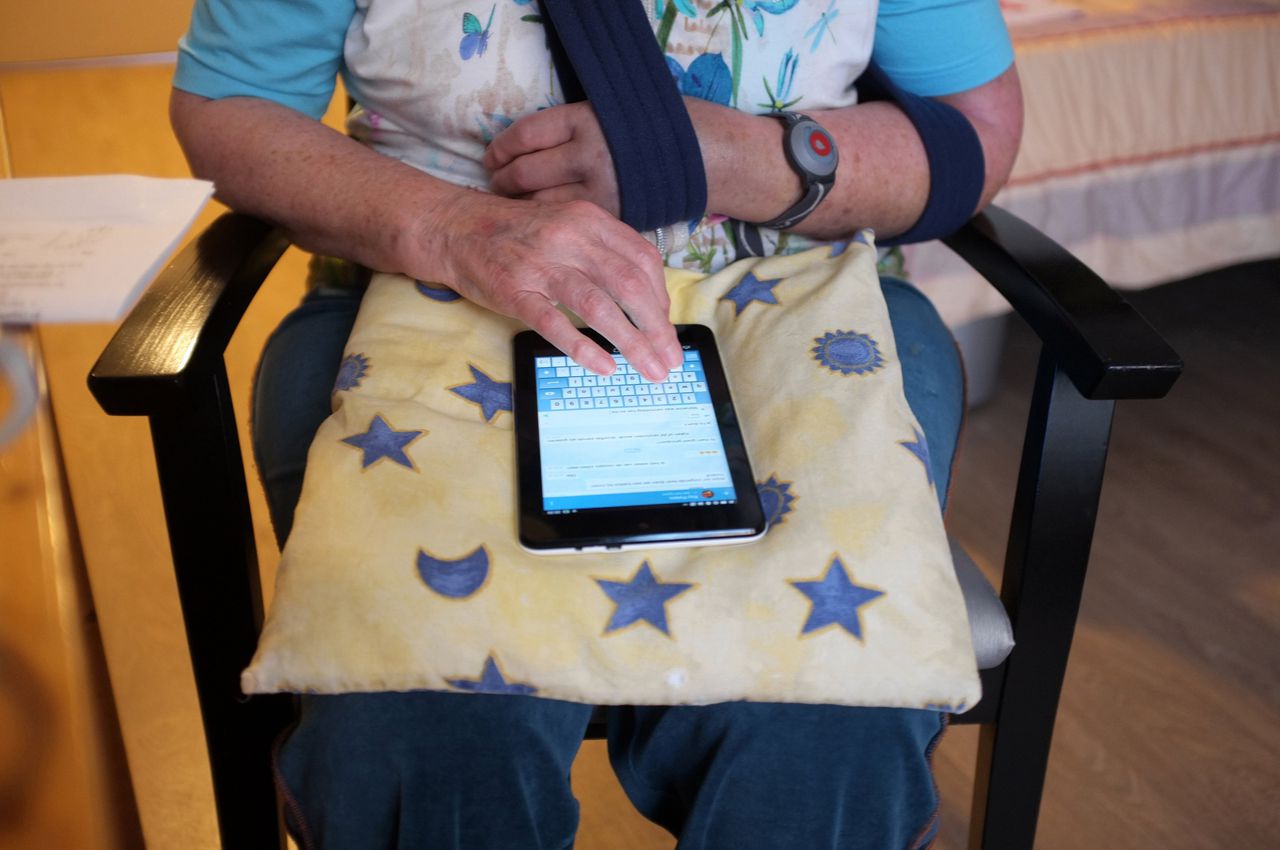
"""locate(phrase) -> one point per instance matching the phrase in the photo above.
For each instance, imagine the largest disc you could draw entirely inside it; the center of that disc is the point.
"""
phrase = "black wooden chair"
(166, 363)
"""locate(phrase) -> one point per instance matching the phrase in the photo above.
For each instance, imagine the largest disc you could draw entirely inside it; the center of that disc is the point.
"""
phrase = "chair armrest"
(182, 324)
(1105, 347)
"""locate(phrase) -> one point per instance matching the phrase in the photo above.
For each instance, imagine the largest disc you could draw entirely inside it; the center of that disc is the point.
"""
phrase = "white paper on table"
(81, 249)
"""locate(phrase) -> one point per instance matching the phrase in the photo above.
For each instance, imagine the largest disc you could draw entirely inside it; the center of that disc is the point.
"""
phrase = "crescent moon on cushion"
(458, 578)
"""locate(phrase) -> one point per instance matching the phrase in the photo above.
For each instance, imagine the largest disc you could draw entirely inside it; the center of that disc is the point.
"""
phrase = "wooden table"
(100, 121)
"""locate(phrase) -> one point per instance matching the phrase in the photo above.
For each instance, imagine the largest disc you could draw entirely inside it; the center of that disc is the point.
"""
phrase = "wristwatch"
(811, 151)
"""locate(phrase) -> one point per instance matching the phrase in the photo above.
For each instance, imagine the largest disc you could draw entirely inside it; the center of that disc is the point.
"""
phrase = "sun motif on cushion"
(775, 499)
(848, 352)
(352, 371)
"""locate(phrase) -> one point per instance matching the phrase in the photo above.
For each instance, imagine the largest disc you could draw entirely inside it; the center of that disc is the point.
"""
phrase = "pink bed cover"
(1151, 147)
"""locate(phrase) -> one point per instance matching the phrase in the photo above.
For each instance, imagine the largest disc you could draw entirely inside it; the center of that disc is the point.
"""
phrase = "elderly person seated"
(463, 166)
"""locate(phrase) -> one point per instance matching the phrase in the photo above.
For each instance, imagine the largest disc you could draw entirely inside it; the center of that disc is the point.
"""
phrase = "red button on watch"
(820, 142)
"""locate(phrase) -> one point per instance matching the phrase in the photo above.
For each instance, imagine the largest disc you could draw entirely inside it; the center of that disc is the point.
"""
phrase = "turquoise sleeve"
(287, 51)
(939, 47)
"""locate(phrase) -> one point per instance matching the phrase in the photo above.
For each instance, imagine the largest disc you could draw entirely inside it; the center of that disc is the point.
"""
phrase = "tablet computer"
(611, 463)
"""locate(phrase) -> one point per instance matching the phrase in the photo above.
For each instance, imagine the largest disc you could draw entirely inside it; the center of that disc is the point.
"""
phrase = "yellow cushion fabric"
(403, 570)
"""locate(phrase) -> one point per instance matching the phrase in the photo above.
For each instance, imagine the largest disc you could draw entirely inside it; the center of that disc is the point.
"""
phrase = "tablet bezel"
(639, 526)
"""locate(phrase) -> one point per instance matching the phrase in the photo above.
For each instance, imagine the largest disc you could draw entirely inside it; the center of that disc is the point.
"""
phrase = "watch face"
(813, 149)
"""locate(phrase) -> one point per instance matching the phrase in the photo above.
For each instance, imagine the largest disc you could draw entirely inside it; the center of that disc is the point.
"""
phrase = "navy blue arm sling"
(605, 52)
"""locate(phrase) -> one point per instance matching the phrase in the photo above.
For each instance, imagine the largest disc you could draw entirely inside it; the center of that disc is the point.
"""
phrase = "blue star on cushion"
(492, 396)
(436, 292)
(749, 289)
(381, 440)
(848, 352)
(644, 598)
(862, 237)
(492, 681)
(775, 499)
(352, 371)
(836, 600)
(920, 448)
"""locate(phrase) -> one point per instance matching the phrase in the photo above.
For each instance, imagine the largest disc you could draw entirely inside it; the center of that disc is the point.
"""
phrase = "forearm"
(329, 193)
(882, 181)
(520, 258)
(883, 178)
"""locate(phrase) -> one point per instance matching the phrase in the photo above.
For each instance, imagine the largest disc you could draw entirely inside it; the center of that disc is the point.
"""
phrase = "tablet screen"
(619, 462)
(621, 440)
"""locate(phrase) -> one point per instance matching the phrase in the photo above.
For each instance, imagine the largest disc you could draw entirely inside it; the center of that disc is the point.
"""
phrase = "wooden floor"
(1169, 730)
(1168, 735)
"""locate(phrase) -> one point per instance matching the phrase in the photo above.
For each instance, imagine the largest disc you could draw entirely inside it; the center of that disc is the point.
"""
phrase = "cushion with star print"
(404, 570)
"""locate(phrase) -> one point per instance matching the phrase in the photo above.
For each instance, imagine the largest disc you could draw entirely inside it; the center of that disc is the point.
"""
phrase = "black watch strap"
(816, 192)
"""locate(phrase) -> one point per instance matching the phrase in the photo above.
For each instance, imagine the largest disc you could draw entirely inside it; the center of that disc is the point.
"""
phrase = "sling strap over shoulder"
(605, 52)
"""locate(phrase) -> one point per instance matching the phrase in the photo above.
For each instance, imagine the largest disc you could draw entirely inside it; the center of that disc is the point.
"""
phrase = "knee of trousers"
(433, 734)
(677, 740)
(735, 770)
(431, 770)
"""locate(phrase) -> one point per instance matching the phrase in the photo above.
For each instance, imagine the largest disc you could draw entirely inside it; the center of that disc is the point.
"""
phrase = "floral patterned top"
(436, 80)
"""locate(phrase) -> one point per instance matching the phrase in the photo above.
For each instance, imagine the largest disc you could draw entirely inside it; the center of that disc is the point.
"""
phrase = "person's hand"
(558, 154)
(522, 258)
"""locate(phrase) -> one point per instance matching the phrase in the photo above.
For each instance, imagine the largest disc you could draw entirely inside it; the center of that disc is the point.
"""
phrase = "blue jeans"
(473, 772)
